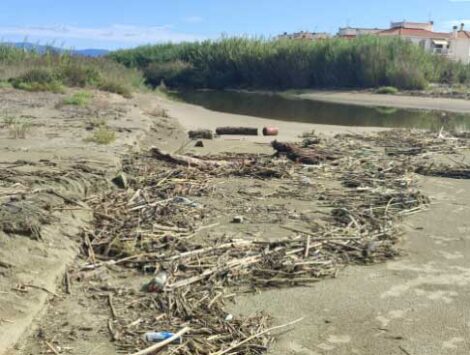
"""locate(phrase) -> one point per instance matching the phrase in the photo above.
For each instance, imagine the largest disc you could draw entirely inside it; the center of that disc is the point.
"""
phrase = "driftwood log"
(246, 131)
(201, 134)
(197, 162)
(309, 156)
(186, 160)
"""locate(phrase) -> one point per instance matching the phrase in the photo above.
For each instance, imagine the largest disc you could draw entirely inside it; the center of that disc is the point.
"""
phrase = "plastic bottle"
(156, 337)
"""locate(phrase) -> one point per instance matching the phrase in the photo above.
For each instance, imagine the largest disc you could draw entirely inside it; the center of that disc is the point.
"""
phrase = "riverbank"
(361, 98)
(415, 304)
(193, 117)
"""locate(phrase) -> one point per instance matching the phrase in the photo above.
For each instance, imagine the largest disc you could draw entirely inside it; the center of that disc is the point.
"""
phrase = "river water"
(305, 110)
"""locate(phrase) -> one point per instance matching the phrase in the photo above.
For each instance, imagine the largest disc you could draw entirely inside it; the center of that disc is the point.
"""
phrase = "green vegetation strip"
(283, 64)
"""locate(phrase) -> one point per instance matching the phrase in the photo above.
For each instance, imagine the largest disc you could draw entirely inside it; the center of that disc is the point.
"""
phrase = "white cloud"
(124, 34)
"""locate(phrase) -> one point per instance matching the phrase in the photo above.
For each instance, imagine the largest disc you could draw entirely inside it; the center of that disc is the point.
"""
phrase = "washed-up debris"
(158, 283)
(24, 218)
(368, 192)
(310, 155)
(201, 134)
(270, 131)
(120, 180)
(242, 131)
(445, 171)
(157, 337)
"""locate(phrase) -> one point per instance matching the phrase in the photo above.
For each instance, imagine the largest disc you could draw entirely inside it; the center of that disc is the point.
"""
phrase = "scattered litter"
(185, 201)
(238, 219)
(120, 180)
(158, 283)
(157, 337)
(270, 131)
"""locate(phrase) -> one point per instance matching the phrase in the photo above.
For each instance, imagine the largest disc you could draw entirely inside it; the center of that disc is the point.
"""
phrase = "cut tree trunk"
(201, 134)
(246, 131)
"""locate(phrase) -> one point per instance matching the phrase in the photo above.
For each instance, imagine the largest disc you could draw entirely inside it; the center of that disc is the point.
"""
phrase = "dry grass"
(102, 135)
(18, 128)
(51, 72)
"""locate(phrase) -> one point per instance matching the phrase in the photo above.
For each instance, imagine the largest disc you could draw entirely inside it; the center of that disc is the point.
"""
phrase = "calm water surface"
(304, 110)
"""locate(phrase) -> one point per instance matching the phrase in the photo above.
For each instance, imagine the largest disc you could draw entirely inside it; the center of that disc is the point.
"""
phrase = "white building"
(459, 48)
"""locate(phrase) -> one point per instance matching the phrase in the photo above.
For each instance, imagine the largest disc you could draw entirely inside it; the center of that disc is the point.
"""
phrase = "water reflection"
(303, 110)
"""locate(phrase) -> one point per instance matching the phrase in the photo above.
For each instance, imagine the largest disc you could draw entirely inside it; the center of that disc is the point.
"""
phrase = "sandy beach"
(415, 304)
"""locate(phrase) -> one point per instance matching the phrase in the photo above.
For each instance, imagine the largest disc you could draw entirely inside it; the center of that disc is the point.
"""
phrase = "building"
(459, 48)
(353, 32)
(454, 45)
(304, 35)
(421, 34)
(427, 26)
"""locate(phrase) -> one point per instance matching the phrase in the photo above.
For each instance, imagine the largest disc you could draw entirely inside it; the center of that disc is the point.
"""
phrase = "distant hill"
(42, 49)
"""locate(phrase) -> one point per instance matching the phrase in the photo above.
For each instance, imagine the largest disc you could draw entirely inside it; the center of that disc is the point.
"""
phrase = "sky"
(113, 24)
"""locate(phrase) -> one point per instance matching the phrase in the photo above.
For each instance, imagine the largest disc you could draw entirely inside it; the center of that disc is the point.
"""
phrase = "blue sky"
(115, 24)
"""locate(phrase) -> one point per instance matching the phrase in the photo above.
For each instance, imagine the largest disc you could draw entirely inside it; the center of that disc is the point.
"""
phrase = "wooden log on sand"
(186, 160)
(201, 134)
(309, 156)
(197, 162)
(243, 131)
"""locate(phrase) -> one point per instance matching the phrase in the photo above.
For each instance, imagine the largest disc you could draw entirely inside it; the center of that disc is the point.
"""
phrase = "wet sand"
(417, 304)
(399, 101)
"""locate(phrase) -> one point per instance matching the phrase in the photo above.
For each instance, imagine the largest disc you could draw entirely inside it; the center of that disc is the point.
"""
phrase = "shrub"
(79, 75)
(391, 90)
(81, 98)
(115, 87)
(95, 122)
(102, 135)
(37, 79)
(53, 70)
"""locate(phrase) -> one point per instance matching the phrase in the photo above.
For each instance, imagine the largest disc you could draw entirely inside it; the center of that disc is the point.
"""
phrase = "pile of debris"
(153, 228)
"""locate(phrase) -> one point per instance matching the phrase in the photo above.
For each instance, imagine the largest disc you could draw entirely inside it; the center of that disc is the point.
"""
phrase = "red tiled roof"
(463, 34)
(411, 32)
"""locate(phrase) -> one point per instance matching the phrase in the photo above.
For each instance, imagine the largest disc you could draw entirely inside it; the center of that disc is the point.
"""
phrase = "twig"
(404, 350)
(256, 336)
(67, 283)
(114, 336)
(160, 345)
(44, 289)
(52, 348)
(307, 247)
(111, 305)
(5, 265)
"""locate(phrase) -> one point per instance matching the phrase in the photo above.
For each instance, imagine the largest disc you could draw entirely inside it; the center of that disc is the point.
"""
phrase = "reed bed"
(283, 64)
